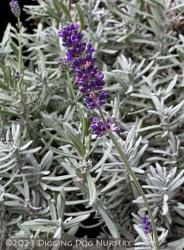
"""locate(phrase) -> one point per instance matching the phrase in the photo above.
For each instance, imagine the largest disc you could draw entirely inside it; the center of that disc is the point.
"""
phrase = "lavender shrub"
(91, 144)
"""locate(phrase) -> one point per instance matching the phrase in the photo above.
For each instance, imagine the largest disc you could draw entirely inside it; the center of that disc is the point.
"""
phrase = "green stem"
(136, 182)
(20, 60)
(20, 47)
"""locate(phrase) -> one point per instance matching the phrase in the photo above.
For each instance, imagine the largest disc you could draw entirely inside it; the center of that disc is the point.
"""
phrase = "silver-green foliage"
(54, 174)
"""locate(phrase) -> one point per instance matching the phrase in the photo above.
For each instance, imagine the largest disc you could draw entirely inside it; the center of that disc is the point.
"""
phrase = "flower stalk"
(16, 11)
(136, 183)
(20, 59)
(90, 81)
(139, 188)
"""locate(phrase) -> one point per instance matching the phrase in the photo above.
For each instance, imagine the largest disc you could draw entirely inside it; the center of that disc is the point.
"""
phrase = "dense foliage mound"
(56, 176)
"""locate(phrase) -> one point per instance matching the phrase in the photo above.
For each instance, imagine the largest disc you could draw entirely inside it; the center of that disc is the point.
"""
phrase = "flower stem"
(20, 47)
(20, 59)
(136, 183)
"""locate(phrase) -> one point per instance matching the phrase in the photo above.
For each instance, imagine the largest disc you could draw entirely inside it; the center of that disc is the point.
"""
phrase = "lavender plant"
(68, 131)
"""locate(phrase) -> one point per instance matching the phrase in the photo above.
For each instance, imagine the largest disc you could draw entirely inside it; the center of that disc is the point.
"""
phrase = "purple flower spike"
(146, 224)
(15, 8)
(101, 128)
(88, 77)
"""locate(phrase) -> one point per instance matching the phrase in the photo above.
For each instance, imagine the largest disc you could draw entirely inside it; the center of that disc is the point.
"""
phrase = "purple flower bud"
(74, 39)
(70, 35)
(90, 49)
(101, 128)
(96, 100)
(146, 224)
(17, 75)
(15, 8)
